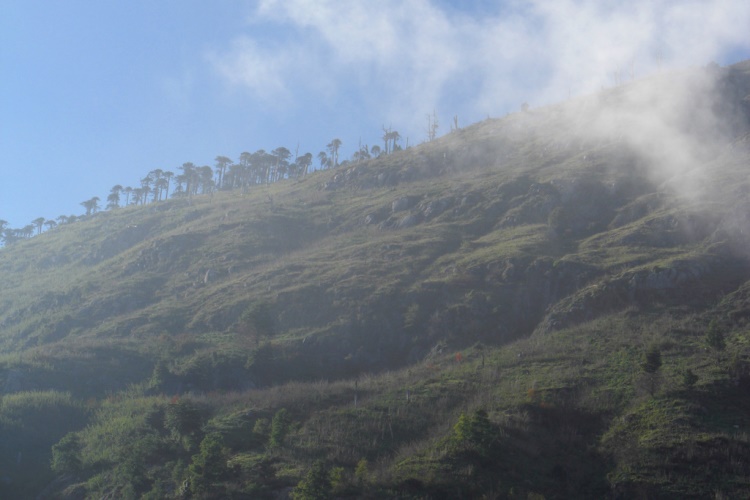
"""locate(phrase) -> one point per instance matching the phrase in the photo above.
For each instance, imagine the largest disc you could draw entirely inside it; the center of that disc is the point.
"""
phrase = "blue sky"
(98, 93)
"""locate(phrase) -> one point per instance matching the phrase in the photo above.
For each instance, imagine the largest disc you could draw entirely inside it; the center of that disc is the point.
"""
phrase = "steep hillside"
(551, 303)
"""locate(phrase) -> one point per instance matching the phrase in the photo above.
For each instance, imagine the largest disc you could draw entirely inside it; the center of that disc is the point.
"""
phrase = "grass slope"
(469, 317)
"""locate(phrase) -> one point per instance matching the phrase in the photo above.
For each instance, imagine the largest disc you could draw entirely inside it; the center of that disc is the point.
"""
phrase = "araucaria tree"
(281, 157)
(325, 162)
(333, 149)
(91, 205)
(222, 163)
(303, 164)
(258, 168)
(113, 200)
(38, 222)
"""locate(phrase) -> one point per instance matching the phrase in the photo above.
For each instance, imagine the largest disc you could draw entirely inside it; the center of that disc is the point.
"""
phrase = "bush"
(689, 379)
(652, 360)
(476, 431)
(183, 417)
(66, 455)
(279, 428)
(651, 365)
(715, 337)
(362, 472)
(210, 465)
(257, 321)
(316, 485)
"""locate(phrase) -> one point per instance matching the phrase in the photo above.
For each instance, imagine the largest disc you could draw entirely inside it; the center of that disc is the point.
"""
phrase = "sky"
(99, 93)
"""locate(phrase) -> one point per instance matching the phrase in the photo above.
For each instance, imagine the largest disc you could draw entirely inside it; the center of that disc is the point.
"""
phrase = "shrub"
(689, 379)
(316, 485)
(183, 417)
(362, 471)
(257, 321)
(279, 428)
(715, 337)
(66, 455)
(651, 365)
(652, 360)
(210, 465)
(476, 431)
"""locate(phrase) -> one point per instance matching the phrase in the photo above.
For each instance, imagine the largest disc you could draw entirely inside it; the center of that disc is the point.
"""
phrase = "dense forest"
(549, 305)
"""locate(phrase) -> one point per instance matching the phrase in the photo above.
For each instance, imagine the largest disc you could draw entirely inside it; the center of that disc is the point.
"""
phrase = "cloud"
(262, 71)
(408, 57)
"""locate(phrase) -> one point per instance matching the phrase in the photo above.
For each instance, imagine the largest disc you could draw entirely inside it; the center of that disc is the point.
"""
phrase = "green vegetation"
(518, 309)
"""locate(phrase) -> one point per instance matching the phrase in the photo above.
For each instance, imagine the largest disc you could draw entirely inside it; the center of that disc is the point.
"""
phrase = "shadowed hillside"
(552, 303)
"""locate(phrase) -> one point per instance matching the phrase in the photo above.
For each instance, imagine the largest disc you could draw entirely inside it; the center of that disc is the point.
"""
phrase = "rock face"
(404, 203)
(679, 282)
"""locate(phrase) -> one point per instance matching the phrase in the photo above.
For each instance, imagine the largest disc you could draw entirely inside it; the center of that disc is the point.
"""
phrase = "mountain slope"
(479, 308)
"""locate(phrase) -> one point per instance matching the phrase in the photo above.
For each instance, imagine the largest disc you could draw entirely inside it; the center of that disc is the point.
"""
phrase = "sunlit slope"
(521, 267)
(485, 234)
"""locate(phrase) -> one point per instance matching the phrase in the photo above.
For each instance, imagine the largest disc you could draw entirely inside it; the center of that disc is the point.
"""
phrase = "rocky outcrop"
(695, 281)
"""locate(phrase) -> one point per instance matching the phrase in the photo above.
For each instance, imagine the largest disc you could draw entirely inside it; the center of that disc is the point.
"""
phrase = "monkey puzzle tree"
(138, 195)
(333, 149)
(167, 177)
(38, 222)
(303, 164)
(263, 165)
(395, 137)
(91, 205)
(206, 179)
(222, 162)
(281, 156)
(145, 189)
(188, 177)
(161, 185)
(128, 191)
(113, 200)
(242, 171)
(325, 162)
(154, 178)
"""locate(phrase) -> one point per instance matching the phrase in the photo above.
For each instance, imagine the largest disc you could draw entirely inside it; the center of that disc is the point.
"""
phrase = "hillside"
(553, 303)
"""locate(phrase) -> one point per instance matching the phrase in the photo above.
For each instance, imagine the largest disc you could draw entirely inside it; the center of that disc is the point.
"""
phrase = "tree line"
(251, 169)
